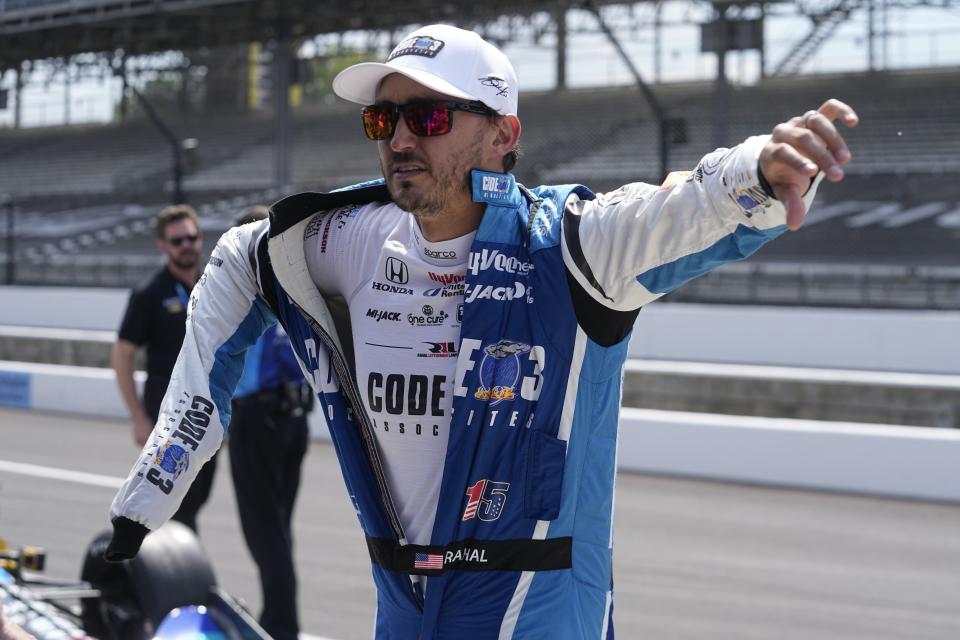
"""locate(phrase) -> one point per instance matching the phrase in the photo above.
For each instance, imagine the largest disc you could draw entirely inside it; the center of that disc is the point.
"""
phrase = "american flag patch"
(428, 561)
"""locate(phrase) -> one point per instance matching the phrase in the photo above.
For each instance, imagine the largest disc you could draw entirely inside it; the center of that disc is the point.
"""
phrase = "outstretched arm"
(630, 246)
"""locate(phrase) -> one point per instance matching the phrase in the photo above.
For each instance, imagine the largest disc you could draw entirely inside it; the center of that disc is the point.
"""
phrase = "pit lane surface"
(692, 559)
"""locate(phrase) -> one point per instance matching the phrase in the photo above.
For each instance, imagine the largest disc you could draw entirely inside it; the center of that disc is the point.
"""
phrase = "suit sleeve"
(630, 246)
(226, 316)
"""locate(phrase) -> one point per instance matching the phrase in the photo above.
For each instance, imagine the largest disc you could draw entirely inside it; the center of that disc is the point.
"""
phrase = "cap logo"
(417, 46)
(498, 83)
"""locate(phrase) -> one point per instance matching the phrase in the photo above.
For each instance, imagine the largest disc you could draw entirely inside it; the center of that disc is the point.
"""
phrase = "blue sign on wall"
(15, 389)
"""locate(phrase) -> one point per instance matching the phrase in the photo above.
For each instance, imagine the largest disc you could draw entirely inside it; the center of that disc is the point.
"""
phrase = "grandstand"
(894, 219)
(84, 194)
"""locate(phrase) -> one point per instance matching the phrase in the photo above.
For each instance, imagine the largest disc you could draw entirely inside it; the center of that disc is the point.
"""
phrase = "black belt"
(473, 555)
(264, 396)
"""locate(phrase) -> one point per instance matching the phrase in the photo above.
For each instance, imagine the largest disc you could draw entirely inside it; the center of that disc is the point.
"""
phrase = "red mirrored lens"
(379, 120)
(427, 118)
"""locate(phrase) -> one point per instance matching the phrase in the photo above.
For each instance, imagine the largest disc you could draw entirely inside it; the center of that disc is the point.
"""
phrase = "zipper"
(369, 440)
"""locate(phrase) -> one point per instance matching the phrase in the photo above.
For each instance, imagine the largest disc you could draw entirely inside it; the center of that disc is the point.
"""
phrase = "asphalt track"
(693, 559)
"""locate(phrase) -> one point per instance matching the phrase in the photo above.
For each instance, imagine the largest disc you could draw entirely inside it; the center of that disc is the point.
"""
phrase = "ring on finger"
(805, 118)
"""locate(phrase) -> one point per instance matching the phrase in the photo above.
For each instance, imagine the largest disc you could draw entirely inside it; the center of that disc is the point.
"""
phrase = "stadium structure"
(78, 198)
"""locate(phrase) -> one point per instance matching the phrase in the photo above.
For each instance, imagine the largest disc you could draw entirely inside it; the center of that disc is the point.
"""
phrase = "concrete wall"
(884, 340)
(63, 307)
(906, 462)
(878, 340)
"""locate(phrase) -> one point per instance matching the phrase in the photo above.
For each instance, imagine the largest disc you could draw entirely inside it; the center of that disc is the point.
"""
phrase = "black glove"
(127, 538)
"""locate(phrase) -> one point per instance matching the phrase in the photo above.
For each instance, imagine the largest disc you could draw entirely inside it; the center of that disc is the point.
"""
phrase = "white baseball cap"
(453, 61)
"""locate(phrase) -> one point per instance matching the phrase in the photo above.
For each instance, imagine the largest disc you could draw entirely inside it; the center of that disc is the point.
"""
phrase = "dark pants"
(267, 445)
(199, 491)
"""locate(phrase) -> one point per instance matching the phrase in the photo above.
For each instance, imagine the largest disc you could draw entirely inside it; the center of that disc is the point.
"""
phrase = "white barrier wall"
(878, 340)
(905, 462)
(911, 462)
(63, 307)
(87, 391)
(884, 340)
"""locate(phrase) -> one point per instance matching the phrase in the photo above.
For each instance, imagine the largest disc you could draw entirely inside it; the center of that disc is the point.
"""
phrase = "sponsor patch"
(516, 291)
(485, 501)
(391, 288)
(381, 314)
(449, 291)
(439, 255)
(446, 278)
(439, 350)
(500, 371)
(495, 187)
(427, 318)
(173, 459)
(749, 198)
(493, 259)
(395, 270)
(425, 46)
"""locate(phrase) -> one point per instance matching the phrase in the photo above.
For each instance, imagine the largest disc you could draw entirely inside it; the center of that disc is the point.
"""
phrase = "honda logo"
(396, 271)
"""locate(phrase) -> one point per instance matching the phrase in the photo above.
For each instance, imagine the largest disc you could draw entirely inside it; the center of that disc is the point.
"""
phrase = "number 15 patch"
(485, 500)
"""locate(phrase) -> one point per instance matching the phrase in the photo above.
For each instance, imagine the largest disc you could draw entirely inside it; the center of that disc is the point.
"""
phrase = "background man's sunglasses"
(178, 240)
(423, 117)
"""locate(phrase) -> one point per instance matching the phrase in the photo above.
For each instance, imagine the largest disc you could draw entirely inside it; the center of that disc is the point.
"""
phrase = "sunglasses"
(424, 118)
(178, 240)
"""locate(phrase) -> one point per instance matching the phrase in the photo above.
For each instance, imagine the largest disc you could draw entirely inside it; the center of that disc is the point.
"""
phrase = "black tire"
(170, 571)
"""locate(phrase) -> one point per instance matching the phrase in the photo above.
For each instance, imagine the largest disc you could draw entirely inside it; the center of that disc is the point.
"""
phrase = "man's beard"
(187, 262)
(451, 179)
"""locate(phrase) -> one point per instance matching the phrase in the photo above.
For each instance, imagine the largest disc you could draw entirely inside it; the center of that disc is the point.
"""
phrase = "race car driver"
(465, 337)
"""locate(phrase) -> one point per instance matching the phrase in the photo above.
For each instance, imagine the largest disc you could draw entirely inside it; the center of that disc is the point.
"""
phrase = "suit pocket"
(545, 461)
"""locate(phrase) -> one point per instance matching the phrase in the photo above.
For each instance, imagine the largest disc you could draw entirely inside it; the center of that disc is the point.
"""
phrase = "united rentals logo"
(425, 46)
(396, 271)
(448, 291)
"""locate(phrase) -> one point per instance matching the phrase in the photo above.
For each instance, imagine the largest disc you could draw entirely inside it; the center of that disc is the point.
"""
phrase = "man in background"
(268, 439)
(156, 318)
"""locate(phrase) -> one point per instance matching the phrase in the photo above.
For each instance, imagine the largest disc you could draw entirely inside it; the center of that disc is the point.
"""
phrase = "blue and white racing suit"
(521, 545)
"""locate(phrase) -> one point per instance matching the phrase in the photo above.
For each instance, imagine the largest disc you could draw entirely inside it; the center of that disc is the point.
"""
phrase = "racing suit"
(521, 545)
